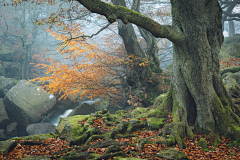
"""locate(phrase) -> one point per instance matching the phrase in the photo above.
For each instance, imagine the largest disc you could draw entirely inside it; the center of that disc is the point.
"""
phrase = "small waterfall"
(56, 120)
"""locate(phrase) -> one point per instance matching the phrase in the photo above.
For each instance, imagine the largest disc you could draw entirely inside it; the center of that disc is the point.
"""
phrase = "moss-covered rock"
(203, 143)
(232, 83)
(172, 154)
(68, 127)
(158, 101)
(100, 105)
(155, 123)
(233, 50)
(35, 137)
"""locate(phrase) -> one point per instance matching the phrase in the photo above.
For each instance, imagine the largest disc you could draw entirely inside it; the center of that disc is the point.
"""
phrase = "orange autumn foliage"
(93, 73)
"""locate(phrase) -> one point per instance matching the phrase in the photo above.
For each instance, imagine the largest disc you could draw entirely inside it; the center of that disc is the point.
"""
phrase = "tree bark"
(196, 94)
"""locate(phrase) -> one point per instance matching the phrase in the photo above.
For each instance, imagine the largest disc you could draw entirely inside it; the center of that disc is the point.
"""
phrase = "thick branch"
(112, 12)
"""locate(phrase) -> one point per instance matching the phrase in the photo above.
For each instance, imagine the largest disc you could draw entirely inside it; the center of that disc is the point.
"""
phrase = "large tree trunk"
(197, 95)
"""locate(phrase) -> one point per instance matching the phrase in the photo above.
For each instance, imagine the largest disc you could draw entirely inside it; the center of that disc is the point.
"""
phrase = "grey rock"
(26, 104)
(83, 109)
(4, 119)
(172, 154)
(5, 85)
(12, 129)
(40, 128)
(3, 136)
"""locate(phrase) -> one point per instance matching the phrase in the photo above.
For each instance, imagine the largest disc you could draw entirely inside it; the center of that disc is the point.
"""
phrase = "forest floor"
(222, 151)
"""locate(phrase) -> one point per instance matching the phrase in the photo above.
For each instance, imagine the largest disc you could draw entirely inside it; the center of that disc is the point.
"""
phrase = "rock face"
(5, 85)
(83, 109)
(4, 119)
(25, 104)
(40, 128)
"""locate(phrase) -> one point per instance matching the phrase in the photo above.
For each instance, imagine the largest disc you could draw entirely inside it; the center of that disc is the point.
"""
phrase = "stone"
(26, 104)
(12, 129)
(67, 125)
(5, 85)
(83, 109)
(172, 154)
(158, 101)
(3, 136)
(40, 128)
(4, 119)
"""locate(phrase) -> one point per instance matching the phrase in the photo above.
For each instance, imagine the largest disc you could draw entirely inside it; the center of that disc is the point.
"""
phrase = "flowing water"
(56, 120)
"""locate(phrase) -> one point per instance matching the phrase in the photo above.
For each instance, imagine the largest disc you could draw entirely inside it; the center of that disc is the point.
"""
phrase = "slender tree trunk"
(138, 78)
(197, 95)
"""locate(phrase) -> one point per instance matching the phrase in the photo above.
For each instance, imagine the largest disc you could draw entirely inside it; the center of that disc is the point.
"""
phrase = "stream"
(56, 120)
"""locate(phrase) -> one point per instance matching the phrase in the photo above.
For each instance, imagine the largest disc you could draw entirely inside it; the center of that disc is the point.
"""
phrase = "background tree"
(230, 14)
(19, 33)
(196, 93)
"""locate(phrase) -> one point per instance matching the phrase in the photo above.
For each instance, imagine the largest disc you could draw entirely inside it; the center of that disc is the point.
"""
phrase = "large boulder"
(26, 104)
(83, 109)
(4, 119)
(5, 85)
(40, 128)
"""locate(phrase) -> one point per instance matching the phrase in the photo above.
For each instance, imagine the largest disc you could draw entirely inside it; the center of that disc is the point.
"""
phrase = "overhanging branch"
(112, 12)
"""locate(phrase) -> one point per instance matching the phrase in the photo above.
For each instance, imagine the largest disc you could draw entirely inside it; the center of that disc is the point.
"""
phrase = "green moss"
(35, 137)
(202, 143)
(155, 123)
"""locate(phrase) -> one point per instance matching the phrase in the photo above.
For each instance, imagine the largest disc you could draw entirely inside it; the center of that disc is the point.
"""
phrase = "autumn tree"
(196, 93)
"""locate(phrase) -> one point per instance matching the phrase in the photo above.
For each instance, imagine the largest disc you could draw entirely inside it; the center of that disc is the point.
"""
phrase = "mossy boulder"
(232, 84)
(202, 143)
(158, 101)
(173, 154)
(4, 145)
(143, 112)
(233, 50)
(155, 123)
(101, 104)
(68, 127)
(35, 137)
